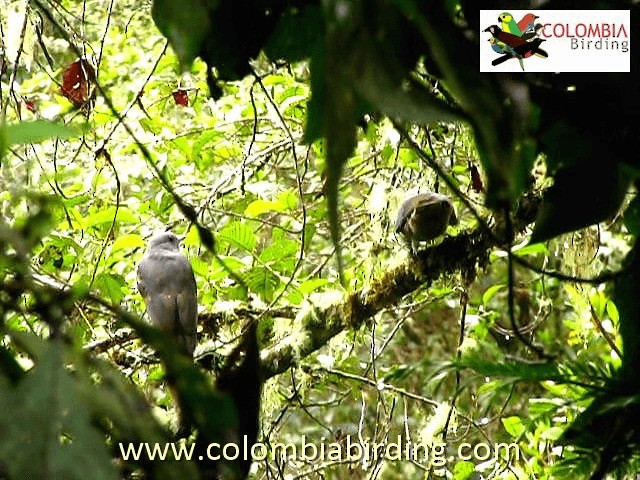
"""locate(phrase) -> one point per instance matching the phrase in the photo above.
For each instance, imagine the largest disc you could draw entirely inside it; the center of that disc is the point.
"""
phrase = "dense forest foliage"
(278, 140)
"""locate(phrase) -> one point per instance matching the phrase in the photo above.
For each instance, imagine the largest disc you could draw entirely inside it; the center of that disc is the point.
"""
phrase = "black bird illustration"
(508, 39)
(533, 32)
(523, 51)
(518, 47)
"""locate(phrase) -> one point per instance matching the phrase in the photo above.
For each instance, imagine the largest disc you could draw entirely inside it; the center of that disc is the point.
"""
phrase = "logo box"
(555, 40)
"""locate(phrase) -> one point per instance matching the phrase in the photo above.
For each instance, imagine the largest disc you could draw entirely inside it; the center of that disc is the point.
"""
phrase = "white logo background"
(562, 57)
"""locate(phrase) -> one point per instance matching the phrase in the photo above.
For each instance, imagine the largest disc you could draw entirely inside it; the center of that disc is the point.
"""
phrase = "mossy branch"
(314, 327)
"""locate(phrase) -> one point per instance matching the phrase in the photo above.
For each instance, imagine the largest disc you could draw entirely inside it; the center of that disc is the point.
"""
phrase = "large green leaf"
(111, 285)
(239, 235)
(262, 281)
(632, 216)
(582, 195)
(185, 24)
(37, 131)
(380, 81)
(48, 430)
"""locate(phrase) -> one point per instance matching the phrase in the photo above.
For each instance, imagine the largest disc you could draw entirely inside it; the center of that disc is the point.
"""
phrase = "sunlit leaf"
(238, 234)
(531, 249)
(552, 433)
(463, 470)
(612, 311)
(111, 285)
(490, 292)
(220, 266)
(258, 207)
(263, 282)
(288, 199)
(311, 285)
(513, 426)
(125, 242)
(109, 215)
(37, 131)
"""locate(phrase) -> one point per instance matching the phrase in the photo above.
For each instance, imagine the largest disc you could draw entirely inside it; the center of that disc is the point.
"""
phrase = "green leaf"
(199, 148)
(108, 215)
(111, 285)
(192, 238)
(632, 216)
(463, 470)
(127, 242)
(598, 302)
(582, 195)
(513, 370)
(312, 285)
(513, 426)
(544, 406)
(551, 433)
(185, 24)
(490, 292)
(376, 79)
(258, 207)
(200, 268)
(262, 281)
(239, 235)
(612, 311)
(288, 199)
(37, 131)
(281, 254)
(531, 249)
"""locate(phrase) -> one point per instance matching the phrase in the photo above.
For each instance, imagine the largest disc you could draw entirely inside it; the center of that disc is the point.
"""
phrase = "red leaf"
(77, 81)
(31, 105)
(180, 97)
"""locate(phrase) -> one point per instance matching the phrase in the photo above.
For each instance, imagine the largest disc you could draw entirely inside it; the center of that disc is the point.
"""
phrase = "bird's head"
(494, 29)
(425, 216)
(505, 17)
(164, 241)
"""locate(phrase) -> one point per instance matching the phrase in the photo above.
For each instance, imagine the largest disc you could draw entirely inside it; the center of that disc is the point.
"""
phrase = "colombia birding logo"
(515, 39)
(554, 40)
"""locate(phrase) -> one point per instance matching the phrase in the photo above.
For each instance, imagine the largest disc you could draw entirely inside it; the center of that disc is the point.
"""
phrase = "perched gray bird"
(167, 284)
(425, 217)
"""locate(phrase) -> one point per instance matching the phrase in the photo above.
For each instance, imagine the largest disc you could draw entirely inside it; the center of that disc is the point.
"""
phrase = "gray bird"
(167, 284)
(425, 217)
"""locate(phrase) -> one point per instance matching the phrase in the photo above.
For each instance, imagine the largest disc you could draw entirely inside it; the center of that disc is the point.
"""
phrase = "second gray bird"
(425, 217)
(167, 284)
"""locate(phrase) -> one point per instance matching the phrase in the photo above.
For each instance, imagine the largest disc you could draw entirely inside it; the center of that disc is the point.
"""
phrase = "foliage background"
(437, 358)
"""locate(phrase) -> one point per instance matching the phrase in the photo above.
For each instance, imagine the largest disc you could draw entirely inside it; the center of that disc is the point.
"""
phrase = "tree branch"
(463, 253)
